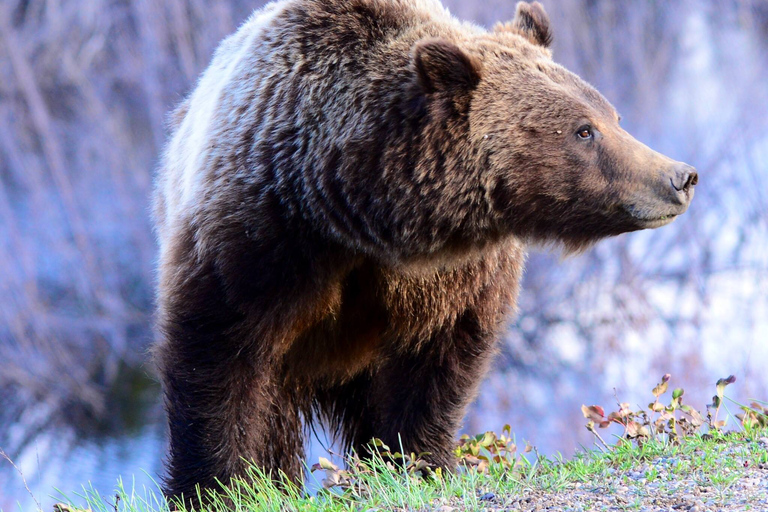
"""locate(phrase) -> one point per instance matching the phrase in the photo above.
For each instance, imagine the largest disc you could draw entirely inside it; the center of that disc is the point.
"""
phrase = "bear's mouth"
(649, 220)
(657, 222)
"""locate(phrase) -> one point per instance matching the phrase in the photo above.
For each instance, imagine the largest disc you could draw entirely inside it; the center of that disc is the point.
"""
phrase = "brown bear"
(343, 211)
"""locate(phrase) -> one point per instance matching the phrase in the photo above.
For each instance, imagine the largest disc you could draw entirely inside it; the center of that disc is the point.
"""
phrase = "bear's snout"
(664, 196)
(684, 178)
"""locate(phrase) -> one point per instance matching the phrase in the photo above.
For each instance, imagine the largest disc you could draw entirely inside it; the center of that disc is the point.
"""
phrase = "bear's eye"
(585, 132)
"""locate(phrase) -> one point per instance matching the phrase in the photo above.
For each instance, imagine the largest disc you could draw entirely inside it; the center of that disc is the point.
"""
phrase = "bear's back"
(298, 78)
(183, 171)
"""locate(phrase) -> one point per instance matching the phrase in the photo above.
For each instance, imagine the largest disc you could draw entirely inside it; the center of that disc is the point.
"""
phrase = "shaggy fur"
(343, 210)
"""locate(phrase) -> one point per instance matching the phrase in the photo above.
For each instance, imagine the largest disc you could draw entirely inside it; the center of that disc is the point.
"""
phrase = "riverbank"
(719, 472)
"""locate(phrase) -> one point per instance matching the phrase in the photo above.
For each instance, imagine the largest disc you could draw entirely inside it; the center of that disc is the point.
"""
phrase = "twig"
(24, 480)
(182, 35)
(54, 154)
(591, 428)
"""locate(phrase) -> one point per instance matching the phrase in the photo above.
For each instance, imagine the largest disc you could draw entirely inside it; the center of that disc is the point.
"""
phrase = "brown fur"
(365, 189)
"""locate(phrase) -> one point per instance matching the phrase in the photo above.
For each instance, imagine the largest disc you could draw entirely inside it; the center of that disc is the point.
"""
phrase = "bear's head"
(554, 161)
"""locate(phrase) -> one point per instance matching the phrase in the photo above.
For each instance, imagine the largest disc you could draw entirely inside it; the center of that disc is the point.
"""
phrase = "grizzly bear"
(343, 212)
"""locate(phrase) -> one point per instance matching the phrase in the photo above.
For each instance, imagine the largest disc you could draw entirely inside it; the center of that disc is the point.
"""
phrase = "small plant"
(754, 415)
(671, 422)
(411, 466)
(485, 450)
(717, 401)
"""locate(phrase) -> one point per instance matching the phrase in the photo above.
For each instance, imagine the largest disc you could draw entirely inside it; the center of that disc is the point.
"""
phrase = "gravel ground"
(737, 487)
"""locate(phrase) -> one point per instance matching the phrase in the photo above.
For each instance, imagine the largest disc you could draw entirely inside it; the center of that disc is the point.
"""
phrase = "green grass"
(716, 460)
(658, 449)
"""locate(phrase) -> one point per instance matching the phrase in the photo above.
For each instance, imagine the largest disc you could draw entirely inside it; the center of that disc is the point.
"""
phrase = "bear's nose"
(684, 178)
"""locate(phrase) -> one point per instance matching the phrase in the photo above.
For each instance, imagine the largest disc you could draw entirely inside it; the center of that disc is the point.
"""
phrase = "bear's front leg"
(223, 388)
(421, 396)
(224, 413)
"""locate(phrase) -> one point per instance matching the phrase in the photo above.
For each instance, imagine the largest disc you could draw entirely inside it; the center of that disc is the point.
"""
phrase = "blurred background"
(85, 89)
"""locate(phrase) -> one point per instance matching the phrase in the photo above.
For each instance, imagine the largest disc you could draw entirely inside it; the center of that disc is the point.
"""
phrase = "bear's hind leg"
(346, 411)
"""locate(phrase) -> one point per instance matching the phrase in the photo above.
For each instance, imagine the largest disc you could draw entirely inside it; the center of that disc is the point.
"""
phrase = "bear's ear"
(442, 66)
(531, 21)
